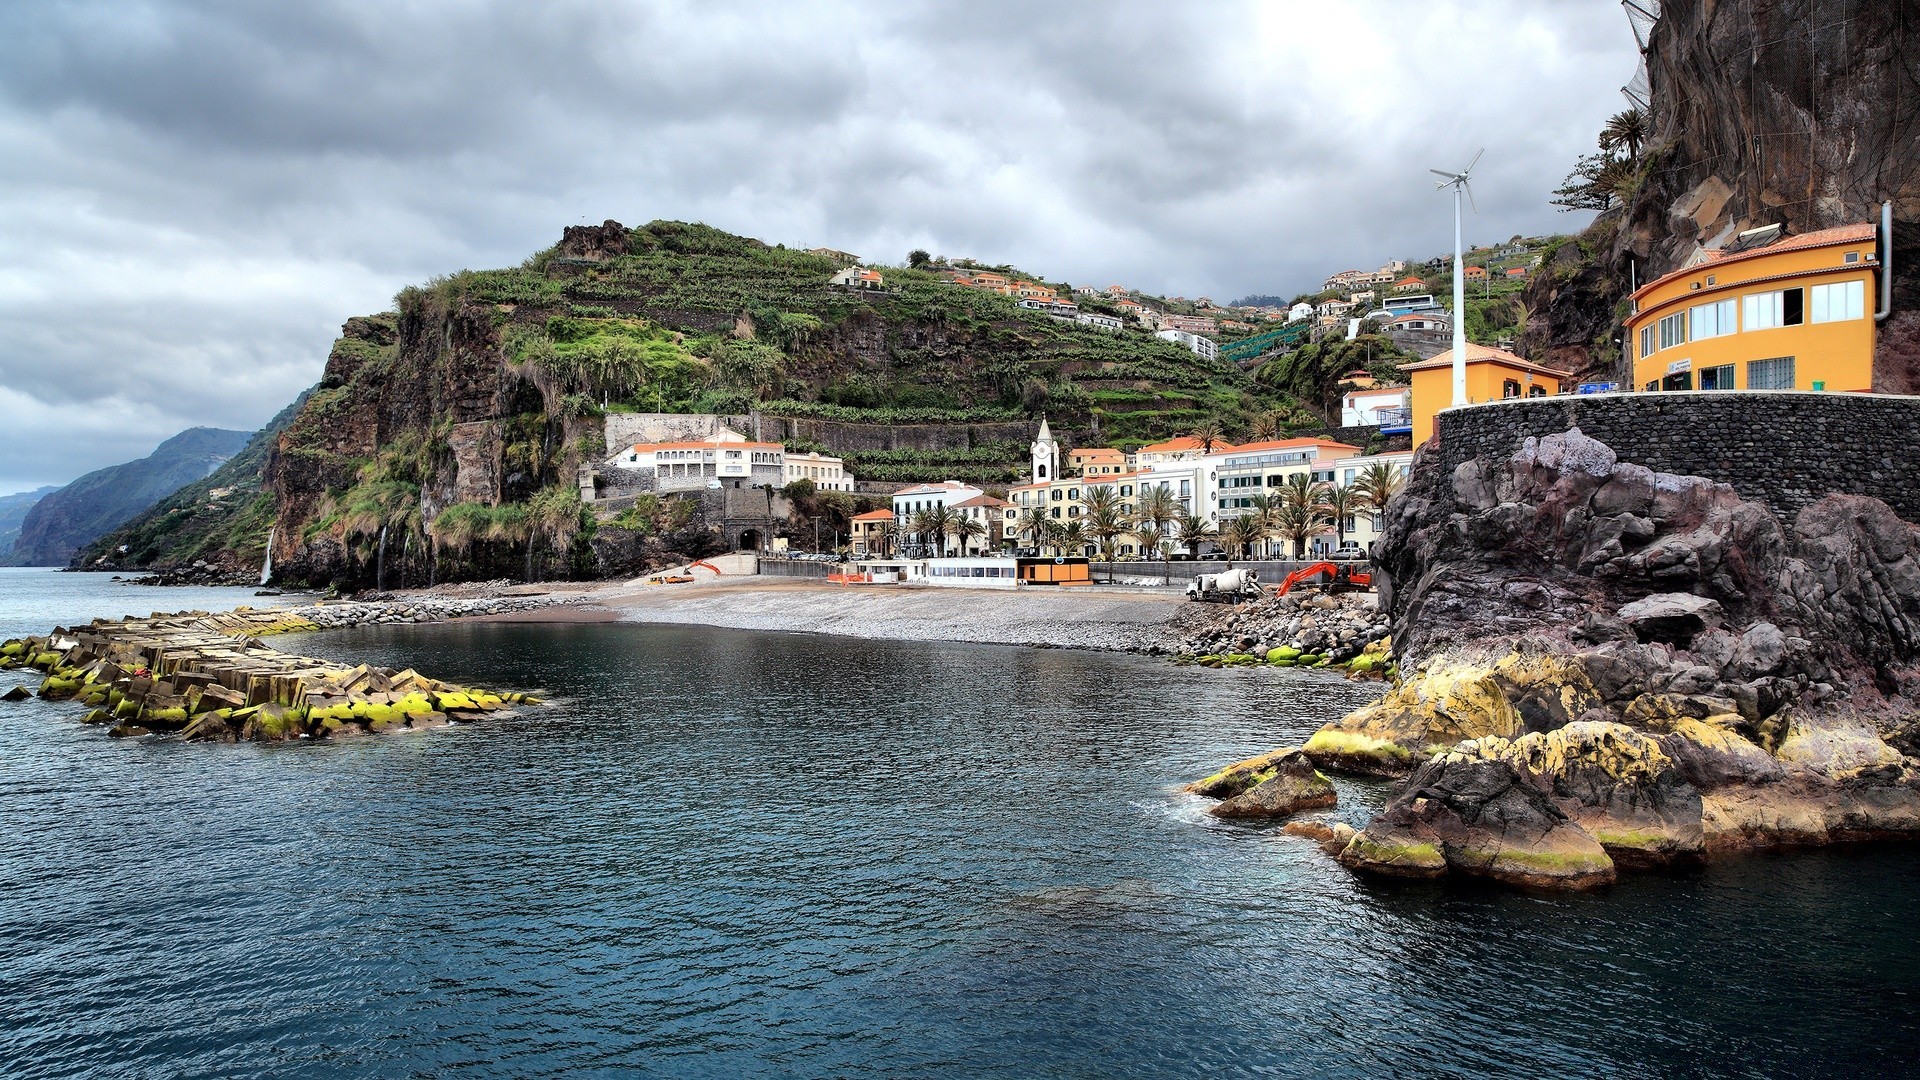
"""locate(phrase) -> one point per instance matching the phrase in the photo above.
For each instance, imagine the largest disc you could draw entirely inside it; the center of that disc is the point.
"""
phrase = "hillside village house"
(1492, 374)
(1388, 407)
(1515, 273)
(1419, 320)
(1301, 310)
(1475, 273)
(1768, 312)
(872, 535)
(827, 473)
(1205, 348)
(1192, 324)
(857, 277)
(1097, 461)
(1409, 284)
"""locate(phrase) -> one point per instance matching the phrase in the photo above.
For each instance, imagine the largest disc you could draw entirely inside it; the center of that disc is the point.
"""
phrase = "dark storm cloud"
(193, 196)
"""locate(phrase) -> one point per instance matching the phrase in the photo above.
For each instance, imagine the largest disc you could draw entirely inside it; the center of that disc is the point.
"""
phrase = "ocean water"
(729, 854)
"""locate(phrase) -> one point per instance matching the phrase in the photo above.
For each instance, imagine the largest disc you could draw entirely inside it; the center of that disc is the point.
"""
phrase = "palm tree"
(1152, 517)
(933, 525)
(1237, 535)
(1208, 435)
(1259, 519)
(1302, 511)
(967, 529)
(1037, 527)
(1342, 500)
(1626, 131)
(1104, 521)
(1073, 537)
(1265, 426)
(1190, 530)
(1376, 486)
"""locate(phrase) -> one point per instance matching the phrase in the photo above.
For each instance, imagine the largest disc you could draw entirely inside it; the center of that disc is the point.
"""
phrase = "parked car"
(1348, 550)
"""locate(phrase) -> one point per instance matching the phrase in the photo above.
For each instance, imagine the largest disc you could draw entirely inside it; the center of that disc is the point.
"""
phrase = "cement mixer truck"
(1228, 586)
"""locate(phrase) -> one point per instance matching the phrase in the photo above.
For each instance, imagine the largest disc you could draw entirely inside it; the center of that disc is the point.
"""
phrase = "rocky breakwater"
(1607, 668)
(207, 677)
(1304, 628)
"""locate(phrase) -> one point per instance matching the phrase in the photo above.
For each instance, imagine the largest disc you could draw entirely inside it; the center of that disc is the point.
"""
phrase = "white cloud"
(195, 194)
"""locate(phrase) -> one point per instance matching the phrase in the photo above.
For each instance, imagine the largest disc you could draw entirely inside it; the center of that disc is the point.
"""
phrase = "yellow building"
(1492, 374)
(1768, 312)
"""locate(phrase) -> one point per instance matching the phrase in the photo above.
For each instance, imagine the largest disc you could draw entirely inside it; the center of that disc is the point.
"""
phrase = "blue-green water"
(729, 854)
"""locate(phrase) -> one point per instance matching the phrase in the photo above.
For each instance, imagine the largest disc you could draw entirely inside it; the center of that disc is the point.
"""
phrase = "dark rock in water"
(1289, 785)
(1479, 817)
(16, 693)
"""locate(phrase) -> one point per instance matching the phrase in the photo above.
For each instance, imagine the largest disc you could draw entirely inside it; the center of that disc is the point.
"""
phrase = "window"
(1853, 256)
(1774, 374)
(1646, 340)
(1510, 388)
(1716, 319)
(1717, 378)
(1765, 311)
(1673, 330)
(1536, 391)
(1838, 302)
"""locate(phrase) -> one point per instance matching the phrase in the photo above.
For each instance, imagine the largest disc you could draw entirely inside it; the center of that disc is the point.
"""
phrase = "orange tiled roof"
(1859, 232)
(874, 515)
(1478, 354)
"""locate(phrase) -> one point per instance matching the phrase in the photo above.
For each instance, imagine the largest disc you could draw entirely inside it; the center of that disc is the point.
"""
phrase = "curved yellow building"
(1768, 312)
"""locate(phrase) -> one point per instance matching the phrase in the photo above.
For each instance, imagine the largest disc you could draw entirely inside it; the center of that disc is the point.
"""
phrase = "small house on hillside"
(857, 277)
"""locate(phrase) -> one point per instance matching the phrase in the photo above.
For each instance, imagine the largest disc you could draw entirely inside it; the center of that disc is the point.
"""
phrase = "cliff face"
(1805, 112)
(76, 515)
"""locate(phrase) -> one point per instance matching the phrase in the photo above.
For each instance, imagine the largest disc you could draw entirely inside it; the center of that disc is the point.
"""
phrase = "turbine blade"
(1448, 175)
(1471, 164)
(1470, 202)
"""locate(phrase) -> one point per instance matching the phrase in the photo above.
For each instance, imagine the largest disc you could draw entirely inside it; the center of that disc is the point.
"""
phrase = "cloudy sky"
(195, 194)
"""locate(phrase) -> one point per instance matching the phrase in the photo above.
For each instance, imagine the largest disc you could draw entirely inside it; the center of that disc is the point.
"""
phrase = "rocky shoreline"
(207, 677)
(1609, 669)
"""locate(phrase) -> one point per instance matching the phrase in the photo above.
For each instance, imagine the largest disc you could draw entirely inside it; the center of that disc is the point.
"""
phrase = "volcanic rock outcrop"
(1608, 666)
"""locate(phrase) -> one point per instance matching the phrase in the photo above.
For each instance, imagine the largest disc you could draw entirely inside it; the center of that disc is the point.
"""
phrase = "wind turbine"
(1458, 182)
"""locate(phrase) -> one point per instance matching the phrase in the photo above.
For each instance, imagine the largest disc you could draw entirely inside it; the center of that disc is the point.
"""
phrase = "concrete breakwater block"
(208, 678)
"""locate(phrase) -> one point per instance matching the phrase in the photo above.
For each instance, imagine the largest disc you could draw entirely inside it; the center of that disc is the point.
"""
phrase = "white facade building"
(1205, 348)
(827, 473)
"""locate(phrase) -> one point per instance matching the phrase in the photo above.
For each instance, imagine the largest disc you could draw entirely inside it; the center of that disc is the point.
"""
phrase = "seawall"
(1784, 448)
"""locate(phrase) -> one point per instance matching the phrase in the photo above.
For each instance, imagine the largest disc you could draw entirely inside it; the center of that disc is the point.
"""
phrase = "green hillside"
(693, 319)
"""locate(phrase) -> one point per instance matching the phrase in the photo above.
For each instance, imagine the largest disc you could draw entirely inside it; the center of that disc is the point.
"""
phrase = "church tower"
(1046, 456)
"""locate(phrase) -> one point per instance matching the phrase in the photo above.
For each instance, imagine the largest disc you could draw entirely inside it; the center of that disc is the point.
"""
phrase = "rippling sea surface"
(744, 854)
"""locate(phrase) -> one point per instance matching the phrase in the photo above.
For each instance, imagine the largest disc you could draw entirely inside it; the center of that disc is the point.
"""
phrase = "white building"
(827, 473)
(726, 459)
(910, 501)
(1301, 310)
(1386, 406)
(856, 277)
(1205, 348)
(1099, 321)
(983, 572)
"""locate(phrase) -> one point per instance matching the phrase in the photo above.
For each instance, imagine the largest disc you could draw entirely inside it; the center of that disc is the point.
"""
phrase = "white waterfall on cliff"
(266, 568)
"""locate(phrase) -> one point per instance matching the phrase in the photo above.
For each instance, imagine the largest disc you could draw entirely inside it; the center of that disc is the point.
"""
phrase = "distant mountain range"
(13, 511)
(56, 523)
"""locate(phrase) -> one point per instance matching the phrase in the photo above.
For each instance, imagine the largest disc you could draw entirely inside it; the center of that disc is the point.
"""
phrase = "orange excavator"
(1339, 576)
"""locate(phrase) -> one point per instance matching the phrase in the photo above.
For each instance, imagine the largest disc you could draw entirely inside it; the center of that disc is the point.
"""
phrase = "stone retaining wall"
(1784, 448)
